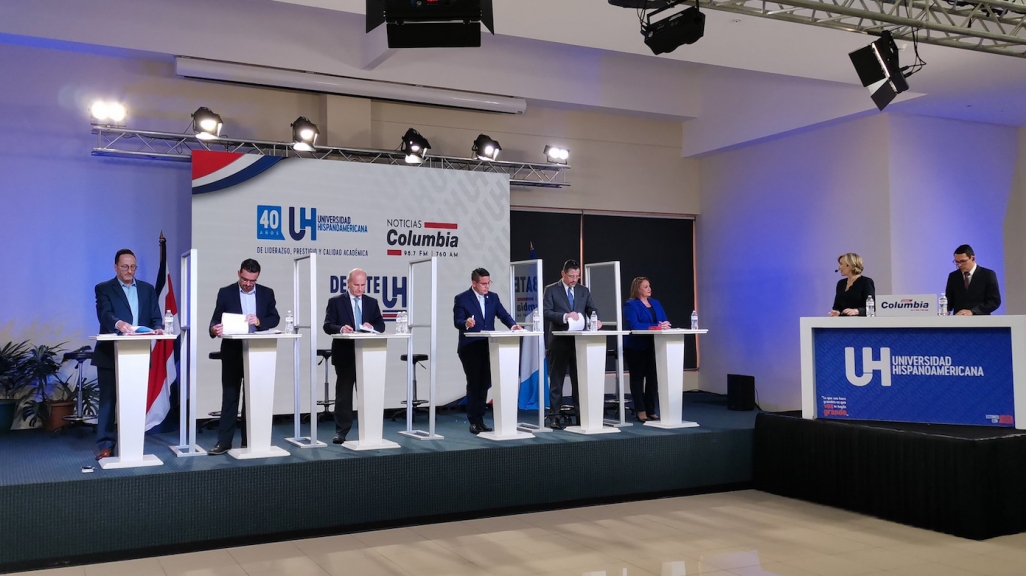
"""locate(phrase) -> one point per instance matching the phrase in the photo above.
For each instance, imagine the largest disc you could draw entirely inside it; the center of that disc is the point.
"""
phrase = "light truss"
(127, 143)
(996, 26)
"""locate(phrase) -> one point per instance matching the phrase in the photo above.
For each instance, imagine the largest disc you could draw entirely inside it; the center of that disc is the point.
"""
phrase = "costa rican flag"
(213, 171)
(163, 369)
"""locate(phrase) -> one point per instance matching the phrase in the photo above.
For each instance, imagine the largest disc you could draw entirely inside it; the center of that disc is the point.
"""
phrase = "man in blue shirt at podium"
(475, 311)
(971, 290)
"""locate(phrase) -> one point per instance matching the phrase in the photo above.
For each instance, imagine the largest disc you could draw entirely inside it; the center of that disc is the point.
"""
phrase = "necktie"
(966, 279)
(357, 313)
(481, 301)
(570, 297)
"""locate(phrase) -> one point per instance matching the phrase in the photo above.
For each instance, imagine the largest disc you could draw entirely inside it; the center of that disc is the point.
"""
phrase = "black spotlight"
(431, 23)
(414, 146)
(304, 134)
(684, 27)
(485, 148)
(877, 67)
(206, 124)
(557, 154)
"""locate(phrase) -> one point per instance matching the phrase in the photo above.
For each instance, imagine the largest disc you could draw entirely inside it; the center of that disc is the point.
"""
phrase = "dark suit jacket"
(229, 300)
(339, 314)
(465, 305)
(112, 305)
(555, 304)
(638, 317)
(855, 297)
(982, 297)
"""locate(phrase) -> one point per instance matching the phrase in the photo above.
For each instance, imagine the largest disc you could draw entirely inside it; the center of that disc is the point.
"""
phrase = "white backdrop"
(374, 217)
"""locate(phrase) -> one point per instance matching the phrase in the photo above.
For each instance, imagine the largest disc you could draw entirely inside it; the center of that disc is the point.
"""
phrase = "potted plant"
(12, 381)
(50, 397)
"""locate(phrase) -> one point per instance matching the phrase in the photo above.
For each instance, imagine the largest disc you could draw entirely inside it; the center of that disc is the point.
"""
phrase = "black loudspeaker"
(740, 392)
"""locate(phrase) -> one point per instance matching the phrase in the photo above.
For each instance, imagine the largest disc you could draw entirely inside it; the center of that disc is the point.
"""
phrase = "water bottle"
(290, 323)
(401, 323)
(694, 319)
(942, 305)
(169, 323)
(593, 320)
(870, 307)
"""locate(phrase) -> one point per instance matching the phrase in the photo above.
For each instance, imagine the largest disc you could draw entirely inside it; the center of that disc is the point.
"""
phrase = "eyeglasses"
(959, 262)
(126, 267)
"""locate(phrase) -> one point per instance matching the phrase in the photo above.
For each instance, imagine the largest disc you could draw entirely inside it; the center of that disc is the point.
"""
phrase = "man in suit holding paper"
(971, 290)
(256, 302)
(564, 302)
(351, 311)
(474, 311)
(124, 305)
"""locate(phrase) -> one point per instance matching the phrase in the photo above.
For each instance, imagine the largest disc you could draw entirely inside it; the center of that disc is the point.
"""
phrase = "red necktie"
(966, 279)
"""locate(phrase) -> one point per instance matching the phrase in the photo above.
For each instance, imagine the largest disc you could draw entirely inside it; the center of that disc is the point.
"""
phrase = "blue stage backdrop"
(942, 376)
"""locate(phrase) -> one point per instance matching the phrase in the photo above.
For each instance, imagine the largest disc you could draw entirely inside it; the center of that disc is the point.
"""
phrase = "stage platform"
(969, 481)
(55, 514)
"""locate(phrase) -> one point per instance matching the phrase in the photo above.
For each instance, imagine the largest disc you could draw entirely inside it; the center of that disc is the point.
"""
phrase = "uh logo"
(299, 232)
(868, 366)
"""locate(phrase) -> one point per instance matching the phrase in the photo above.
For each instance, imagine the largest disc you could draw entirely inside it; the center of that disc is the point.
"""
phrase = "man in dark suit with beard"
(565, 300)
(257, 303)
(971, 290)
(123, 303)
(346, 313)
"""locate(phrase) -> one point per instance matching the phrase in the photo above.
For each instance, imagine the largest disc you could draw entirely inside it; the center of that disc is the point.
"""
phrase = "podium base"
(500, 438)
(305, 442)
(358, 445)
(617, 423)
(250, 454)
(603, 430)
(671, 425)
(185, 451)
(115, 462)
(422, 435)
(532, 428)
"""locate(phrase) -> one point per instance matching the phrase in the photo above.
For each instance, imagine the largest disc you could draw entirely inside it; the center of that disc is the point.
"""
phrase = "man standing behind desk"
(971, 290)
(474, 311)
(122, 304)
(564, 301)
(257, 303)
(347, 313)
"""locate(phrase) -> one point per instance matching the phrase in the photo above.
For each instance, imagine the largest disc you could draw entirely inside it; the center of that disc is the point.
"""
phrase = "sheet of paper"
(234, 323)
(368, 330)
(576, 324)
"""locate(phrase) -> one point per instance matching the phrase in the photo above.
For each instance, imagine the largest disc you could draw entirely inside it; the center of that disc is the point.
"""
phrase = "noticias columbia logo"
(905, 304)
(441, 235)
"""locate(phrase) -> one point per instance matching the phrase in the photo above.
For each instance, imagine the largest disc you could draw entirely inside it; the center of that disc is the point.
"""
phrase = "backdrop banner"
(935, 375)
(351, 215)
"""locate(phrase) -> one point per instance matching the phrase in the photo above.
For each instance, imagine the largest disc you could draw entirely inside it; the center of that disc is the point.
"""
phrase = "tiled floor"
(744, 533)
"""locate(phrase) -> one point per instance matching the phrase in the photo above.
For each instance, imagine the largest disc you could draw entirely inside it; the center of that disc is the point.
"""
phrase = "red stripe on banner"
(442, 225)
(162, 349)
(205, 163)
(395, 252)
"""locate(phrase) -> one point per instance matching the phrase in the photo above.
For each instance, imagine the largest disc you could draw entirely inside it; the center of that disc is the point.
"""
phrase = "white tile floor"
(746, 533)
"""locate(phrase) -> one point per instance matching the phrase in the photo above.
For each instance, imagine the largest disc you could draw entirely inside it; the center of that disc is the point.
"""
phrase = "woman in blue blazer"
(642, 312)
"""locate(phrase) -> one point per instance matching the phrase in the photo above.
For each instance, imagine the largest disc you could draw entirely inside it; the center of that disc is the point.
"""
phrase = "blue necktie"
(358, 317)
(570, 297)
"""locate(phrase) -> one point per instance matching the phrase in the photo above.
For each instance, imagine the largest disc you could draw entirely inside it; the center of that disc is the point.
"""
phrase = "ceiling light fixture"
(485, 148)
(414, 146)
(304, 134)
(206, 124)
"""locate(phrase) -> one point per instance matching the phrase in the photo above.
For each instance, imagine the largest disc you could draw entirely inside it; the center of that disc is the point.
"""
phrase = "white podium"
(259, 356)
(669, 351)
(591, 378)
(371, 353)
(132, 371)
(504, 361)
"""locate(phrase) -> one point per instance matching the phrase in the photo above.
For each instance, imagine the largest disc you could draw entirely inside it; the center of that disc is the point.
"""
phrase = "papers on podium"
(234, 323)
(575, 324)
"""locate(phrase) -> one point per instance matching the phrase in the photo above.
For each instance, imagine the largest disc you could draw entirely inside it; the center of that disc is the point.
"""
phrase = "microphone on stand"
(837, 269)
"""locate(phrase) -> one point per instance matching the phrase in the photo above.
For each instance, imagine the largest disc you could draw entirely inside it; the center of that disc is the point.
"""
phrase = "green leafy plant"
(45, 386)
(13, 369)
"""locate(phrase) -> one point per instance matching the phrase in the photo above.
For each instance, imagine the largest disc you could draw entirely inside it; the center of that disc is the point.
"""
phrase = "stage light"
(414, 146)
(108, 111)
(304, 134)
(557, 154)
(431, 23)
(206, 124)
(666, 35)
(878, 69)
(485, 148)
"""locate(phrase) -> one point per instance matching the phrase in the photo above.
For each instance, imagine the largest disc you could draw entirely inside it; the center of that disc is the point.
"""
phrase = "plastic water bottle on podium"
(536, 320)
(402, 325)
(593, 321)
(694, 319)
(870, 307)
(942, 305)
(290, 323)
(169, 323)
